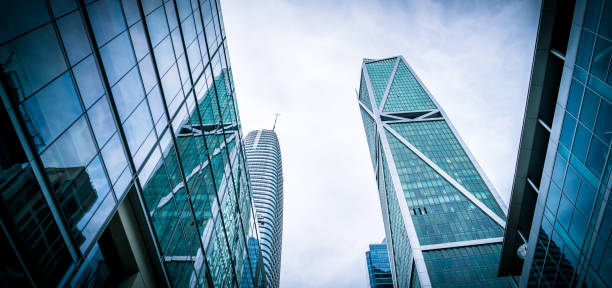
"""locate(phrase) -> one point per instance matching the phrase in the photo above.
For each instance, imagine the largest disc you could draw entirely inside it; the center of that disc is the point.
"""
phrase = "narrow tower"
(443, 220)
(266, 174)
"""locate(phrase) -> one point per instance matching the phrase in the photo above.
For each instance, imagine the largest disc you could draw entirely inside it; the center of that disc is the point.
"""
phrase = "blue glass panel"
(586, 198)
(588, 112)
(575, 97)
(591, 17)
(156, 104)
(164, 56)
(158, 28)
(26, 54)
(565, 212)
(106, 19)
(600, 87)
(603, 127)
(99, 218)
(52, 109)
(597, 156)
(88, 80)
(572, 181)
(601, 58)
(567, 131)
(128, 93)
(17, 17)
(585, 49)
(170, 13)
(171, 83)
(102, 121)
(606, 223)
(74, 36)
(552, 199)
(137, 126)
(73, 149)
(123, 183)
(580, 74)
(114, 158)
(139, 40)
(581, 142)
(559, 170)
(149, 5)
(118, 57)
(130, 8)
(578, 229)
(148, 74)
(61, 7)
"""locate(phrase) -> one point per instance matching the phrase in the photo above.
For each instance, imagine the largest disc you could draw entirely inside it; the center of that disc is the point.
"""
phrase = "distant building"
(443, 220)
(379, 269)
(560, 216)
(266, 173)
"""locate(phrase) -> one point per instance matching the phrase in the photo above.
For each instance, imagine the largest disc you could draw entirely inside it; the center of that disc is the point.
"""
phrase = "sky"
(302, 59)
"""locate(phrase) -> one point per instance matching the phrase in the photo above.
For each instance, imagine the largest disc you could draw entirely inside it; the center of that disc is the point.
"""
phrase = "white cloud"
(302, 60)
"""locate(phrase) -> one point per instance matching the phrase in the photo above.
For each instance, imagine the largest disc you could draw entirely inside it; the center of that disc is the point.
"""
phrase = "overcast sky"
(302, 59)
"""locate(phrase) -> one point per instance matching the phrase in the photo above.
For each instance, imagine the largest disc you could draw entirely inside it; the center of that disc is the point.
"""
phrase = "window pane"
(601, 58)
(604, 122)
(106, 19)
(147, 72)
(73, 149)
(88, 79)
(581, 143)
(74, 37)
(552, 199)
(155, 102)
(158, 28)
(578, 229)
(128, 93)
(118, 57)
(590, 104)
(114, 158)
(597, 156)
(591, 17)
(130, 8)
(164, 55)
(567, 131)
(17, 17)
(137, 126)
(102, 121)
(139, 40)
(572, 181)
(28, 52)
(52, 110)
(61, 7)
(575, 97)
(586, 197)
(585, 49)
(150, 5)
(565, 212)
(605, 26)
(171, 83)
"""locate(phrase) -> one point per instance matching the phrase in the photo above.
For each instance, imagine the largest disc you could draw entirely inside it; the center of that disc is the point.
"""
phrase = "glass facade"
(379, 269)
(114, 102)
(443, 220)
(570, 243)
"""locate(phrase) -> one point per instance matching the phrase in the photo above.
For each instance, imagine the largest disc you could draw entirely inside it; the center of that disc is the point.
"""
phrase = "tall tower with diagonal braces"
(444, 221)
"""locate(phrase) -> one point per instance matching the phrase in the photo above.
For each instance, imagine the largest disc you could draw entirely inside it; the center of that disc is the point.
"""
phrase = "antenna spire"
(275, 118)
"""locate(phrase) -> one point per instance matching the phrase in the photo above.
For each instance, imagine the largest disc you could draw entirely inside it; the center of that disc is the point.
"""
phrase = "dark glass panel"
(586, 198)
(88, 80)
(61, 7)
(18, 17)
(591, 17)
(52, 110)
(597, 156)
(585, 49)
(572, 181)
(75, 148)
(118, 57)
(578, 229)
(130, 8)
(575, 97)
(22, 58)
(552, 199)
(601, 58)
(605, 26)
(128, 93)
(588, 111)
(565, 212)
(581, 143)
(74, 36)
(106, 19)
(102, 121)
(603, 127)
(567, 131)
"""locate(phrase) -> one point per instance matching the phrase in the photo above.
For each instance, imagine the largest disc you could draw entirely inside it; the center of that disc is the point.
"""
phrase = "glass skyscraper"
(266, 174)
(379, 270)
(560, 216)
(444, 221)
(121, 160)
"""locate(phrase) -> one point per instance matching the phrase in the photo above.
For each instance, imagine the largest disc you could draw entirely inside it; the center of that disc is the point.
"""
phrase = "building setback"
(121, 160)
(443, 220)
(266, 173)
(379, 270)
(560, 215)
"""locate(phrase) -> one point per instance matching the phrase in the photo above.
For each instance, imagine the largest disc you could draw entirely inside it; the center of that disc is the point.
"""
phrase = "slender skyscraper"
(379, 270)
(560, 216)
(121, 161)
(443, 219)
(266, 174)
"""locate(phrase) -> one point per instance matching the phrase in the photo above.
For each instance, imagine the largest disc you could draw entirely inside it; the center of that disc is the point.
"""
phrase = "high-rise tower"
(443, 219)
(121, 161)
(266, 174)
(379, 270)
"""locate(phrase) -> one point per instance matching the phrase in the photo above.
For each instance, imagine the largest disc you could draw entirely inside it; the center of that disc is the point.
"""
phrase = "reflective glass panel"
(17, 17)
(128, 93)
(73, 149)
(74, 36)
(106, 19)
(88, 80)
(588, 111)
(581, 142)
(117, 57)
(114, 158)
(158, 28)
(102, 121)
(137, 126)
(604, 121)
(139, 40)
(597, 156)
